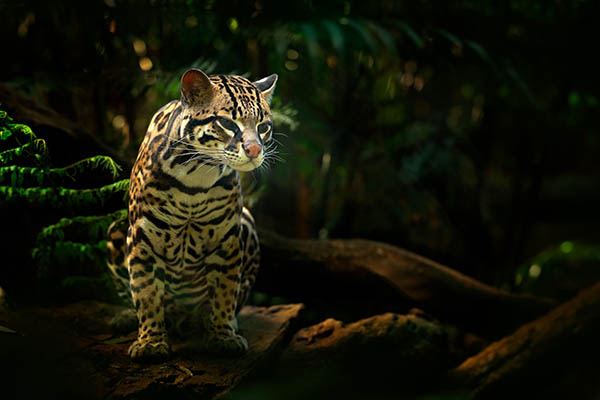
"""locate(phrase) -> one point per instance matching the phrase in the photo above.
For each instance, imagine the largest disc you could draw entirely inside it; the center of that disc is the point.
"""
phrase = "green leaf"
(312, 40)
(281, 38)
(451, 37)
(336, 35)
(4, 329)
(481, 52)
(80, 228)
(364, 33)
(516, 77)
(27, 176)
(60, 197)
(410, 32)
(385, 36)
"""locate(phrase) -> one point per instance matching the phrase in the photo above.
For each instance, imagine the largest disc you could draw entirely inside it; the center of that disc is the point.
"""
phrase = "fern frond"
(96, 163)
(20, 133)
(66, 258)
(33, 176)
(35, 150)
(80, 228)
(60, 197)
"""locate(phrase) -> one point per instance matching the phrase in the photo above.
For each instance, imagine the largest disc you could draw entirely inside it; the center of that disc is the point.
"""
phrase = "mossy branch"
(60, 197)
(17, 176)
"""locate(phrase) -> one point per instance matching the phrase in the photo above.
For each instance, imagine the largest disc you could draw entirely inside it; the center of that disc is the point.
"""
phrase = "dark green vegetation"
(466, 131)
(69, 254)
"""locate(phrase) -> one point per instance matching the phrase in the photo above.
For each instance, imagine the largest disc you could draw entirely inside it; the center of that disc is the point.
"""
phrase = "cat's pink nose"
(252, 149)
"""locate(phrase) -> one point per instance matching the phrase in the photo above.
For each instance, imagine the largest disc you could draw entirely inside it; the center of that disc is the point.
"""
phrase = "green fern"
(94, 164)
(80, 228)
(35, 150)
(71, 254)
(62, 259)
(19, 133)
(60, 197)
(18, 176)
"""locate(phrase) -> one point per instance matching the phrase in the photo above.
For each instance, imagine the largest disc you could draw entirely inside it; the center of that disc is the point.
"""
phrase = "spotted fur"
(188, 254)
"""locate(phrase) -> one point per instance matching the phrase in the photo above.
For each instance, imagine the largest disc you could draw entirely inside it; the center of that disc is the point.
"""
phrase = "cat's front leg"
(223, 272)
(146, 273)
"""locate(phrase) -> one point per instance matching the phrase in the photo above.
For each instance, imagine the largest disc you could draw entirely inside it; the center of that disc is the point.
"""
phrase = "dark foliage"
(464, 130)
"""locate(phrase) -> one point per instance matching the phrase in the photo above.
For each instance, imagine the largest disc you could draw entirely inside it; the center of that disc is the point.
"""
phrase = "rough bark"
(383, 356)
(370, 278)
(381, 339)
(540, 356)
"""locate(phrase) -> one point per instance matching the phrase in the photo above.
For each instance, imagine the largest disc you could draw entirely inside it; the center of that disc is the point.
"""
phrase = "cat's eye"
(228, 125)
(263, 128)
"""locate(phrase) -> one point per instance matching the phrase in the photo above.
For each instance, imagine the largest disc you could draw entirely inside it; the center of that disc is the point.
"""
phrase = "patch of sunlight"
(139, 46)
(290, 65)
(233, 24)
(119, 122)
(535, 270)
(145, 64)
(567, 247)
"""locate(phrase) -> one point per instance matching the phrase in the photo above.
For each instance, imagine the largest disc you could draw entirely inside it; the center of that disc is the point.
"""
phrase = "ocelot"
(188, 253)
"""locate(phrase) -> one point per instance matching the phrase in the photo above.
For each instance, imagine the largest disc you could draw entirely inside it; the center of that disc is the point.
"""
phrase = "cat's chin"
(247, 166)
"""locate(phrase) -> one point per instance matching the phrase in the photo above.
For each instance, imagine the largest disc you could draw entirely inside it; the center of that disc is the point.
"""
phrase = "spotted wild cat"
(190, 253)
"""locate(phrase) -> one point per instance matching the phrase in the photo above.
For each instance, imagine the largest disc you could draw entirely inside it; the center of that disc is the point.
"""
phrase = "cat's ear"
(267, 86)
(196, 88)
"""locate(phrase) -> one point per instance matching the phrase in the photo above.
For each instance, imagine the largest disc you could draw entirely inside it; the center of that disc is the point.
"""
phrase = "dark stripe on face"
(187, 133)
(232, 97)
(198, 159)
(257, 98)
(189, 128)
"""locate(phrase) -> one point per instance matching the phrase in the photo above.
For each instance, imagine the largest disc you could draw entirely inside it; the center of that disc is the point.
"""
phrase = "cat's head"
(227, 117)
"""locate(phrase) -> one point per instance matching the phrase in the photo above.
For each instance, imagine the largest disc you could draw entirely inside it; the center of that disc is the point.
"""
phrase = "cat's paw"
(149, 350)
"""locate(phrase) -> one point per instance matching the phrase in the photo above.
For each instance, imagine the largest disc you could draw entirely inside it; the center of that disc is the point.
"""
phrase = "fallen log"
(419, 343)
(555, 356)
(383, 356)
(370, 278)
